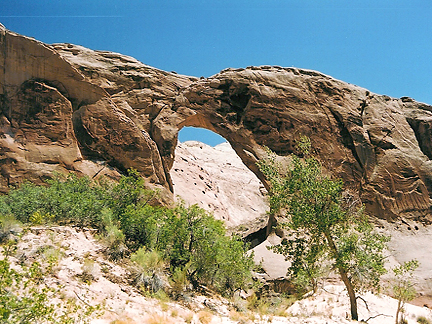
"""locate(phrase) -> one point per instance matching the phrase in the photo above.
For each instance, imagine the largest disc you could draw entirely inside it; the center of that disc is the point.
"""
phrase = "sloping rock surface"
(67, 108)
(216, 179)
(82, 274)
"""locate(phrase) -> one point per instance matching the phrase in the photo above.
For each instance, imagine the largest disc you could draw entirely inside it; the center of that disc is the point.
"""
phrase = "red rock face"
(71, 109)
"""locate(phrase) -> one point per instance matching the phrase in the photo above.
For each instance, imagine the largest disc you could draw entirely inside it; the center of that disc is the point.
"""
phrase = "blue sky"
(382, 45)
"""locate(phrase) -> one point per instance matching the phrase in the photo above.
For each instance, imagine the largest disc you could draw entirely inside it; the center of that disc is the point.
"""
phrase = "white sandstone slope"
(78, 251)
(216, 179)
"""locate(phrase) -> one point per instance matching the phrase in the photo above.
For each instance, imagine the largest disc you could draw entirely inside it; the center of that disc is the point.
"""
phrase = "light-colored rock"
(109, 287)
(216, 179)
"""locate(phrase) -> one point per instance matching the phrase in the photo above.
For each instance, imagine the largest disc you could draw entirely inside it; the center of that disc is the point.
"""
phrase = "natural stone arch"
(131, 114)
(366, 139)
(248, 151)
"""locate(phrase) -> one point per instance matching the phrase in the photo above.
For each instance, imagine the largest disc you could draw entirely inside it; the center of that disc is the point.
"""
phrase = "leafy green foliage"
(423, 320)
(113, 236)
(403, 286)
(194, 240)
(148, 270)
(324, 229)
(188, 239)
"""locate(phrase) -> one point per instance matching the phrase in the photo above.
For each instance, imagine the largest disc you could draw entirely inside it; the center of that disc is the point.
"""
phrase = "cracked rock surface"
(66, 108)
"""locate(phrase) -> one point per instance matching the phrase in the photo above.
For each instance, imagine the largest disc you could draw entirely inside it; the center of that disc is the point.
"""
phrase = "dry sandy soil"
(80, 252)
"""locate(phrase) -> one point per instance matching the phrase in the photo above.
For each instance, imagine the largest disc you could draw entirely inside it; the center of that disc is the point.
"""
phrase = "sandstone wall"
(68, 108)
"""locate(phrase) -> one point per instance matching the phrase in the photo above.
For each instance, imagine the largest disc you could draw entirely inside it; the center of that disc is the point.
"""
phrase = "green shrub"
(195, 240)
(422, 320)
(188, 238)
(8, 225)
(179, 281)
(403, 286)
(25, 201)
(77, 200)
(141, 225)
(112, 236)
(148, 270)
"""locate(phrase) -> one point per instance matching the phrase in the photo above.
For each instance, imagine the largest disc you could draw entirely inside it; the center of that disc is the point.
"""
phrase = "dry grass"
(159, 319)
(241, 317)
(188, 318)
(205, 317)
(123, 321)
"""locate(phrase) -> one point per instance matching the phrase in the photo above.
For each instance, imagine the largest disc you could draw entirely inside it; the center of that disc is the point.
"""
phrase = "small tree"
(194, 240)
(323, 227)
(403, 287)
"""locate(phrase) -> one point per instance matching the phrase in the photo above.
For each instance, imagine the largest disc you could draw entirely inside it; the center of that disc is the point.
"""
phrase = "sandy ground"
(80, 251)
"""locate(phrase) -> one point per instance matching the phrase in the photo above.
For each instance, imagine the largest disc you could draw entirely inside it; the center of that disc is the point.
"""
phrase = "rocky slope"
(82, 273)
(70, 109)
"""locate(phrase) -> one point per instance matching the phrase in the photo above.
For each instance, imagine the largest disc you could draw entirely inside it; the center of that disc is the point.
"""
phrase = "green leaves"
(403, 285)
(198, 243)
(184, 237)
(323, 229)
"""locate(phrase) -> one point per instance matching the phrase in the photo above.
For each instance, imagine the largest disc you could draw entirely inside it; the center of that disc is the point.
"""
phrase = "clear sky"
(382, 45)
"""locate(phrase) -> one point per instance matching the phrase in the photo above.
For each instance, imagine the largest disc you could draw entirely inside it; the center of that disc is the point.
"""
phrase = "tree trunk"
(345, 279)
(351, 293)
(399, 307)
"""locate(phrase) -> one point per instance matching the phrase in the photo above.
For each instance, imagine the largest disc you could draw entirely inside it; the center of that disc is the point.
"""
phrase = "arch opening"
(215, 178)
(190, 133)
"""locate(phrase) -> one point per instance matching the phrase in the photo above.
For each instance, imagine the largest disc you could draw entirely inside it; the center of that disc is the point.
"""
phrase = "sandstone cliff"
(67, 108)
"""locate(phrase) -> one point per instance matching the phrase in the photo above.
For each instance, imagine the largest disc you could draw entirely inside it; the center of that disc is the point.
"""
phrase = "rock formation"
(68, 108)
(216, 179)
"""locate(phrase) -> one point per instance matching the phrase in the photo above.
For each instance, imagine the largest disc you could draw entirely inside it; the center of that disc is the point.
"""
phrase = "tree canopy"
(324, 226)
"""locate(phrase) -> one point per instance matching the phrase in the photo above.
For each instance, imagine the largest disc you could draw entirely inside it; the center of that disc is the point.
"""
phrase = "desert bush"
(192, 237)
(88, 271)
(8, 225)
(24, 201)
(188, 238)
(38, 218)
(423, 320)
(148, 270)
(403, 286)
(141, 225)
(130, 191)
(112, 236)
(77, 200)
(179, 281)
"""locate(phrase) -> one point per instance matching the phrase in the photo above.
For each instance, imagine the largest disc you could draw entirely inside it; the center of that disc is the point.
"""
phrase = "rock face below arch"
(67, 108)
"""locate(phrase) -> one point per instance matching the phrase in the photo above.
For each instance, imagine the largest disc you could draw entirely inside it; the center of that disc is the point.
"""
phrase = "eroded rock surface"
(68, 108)
(216, 179)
